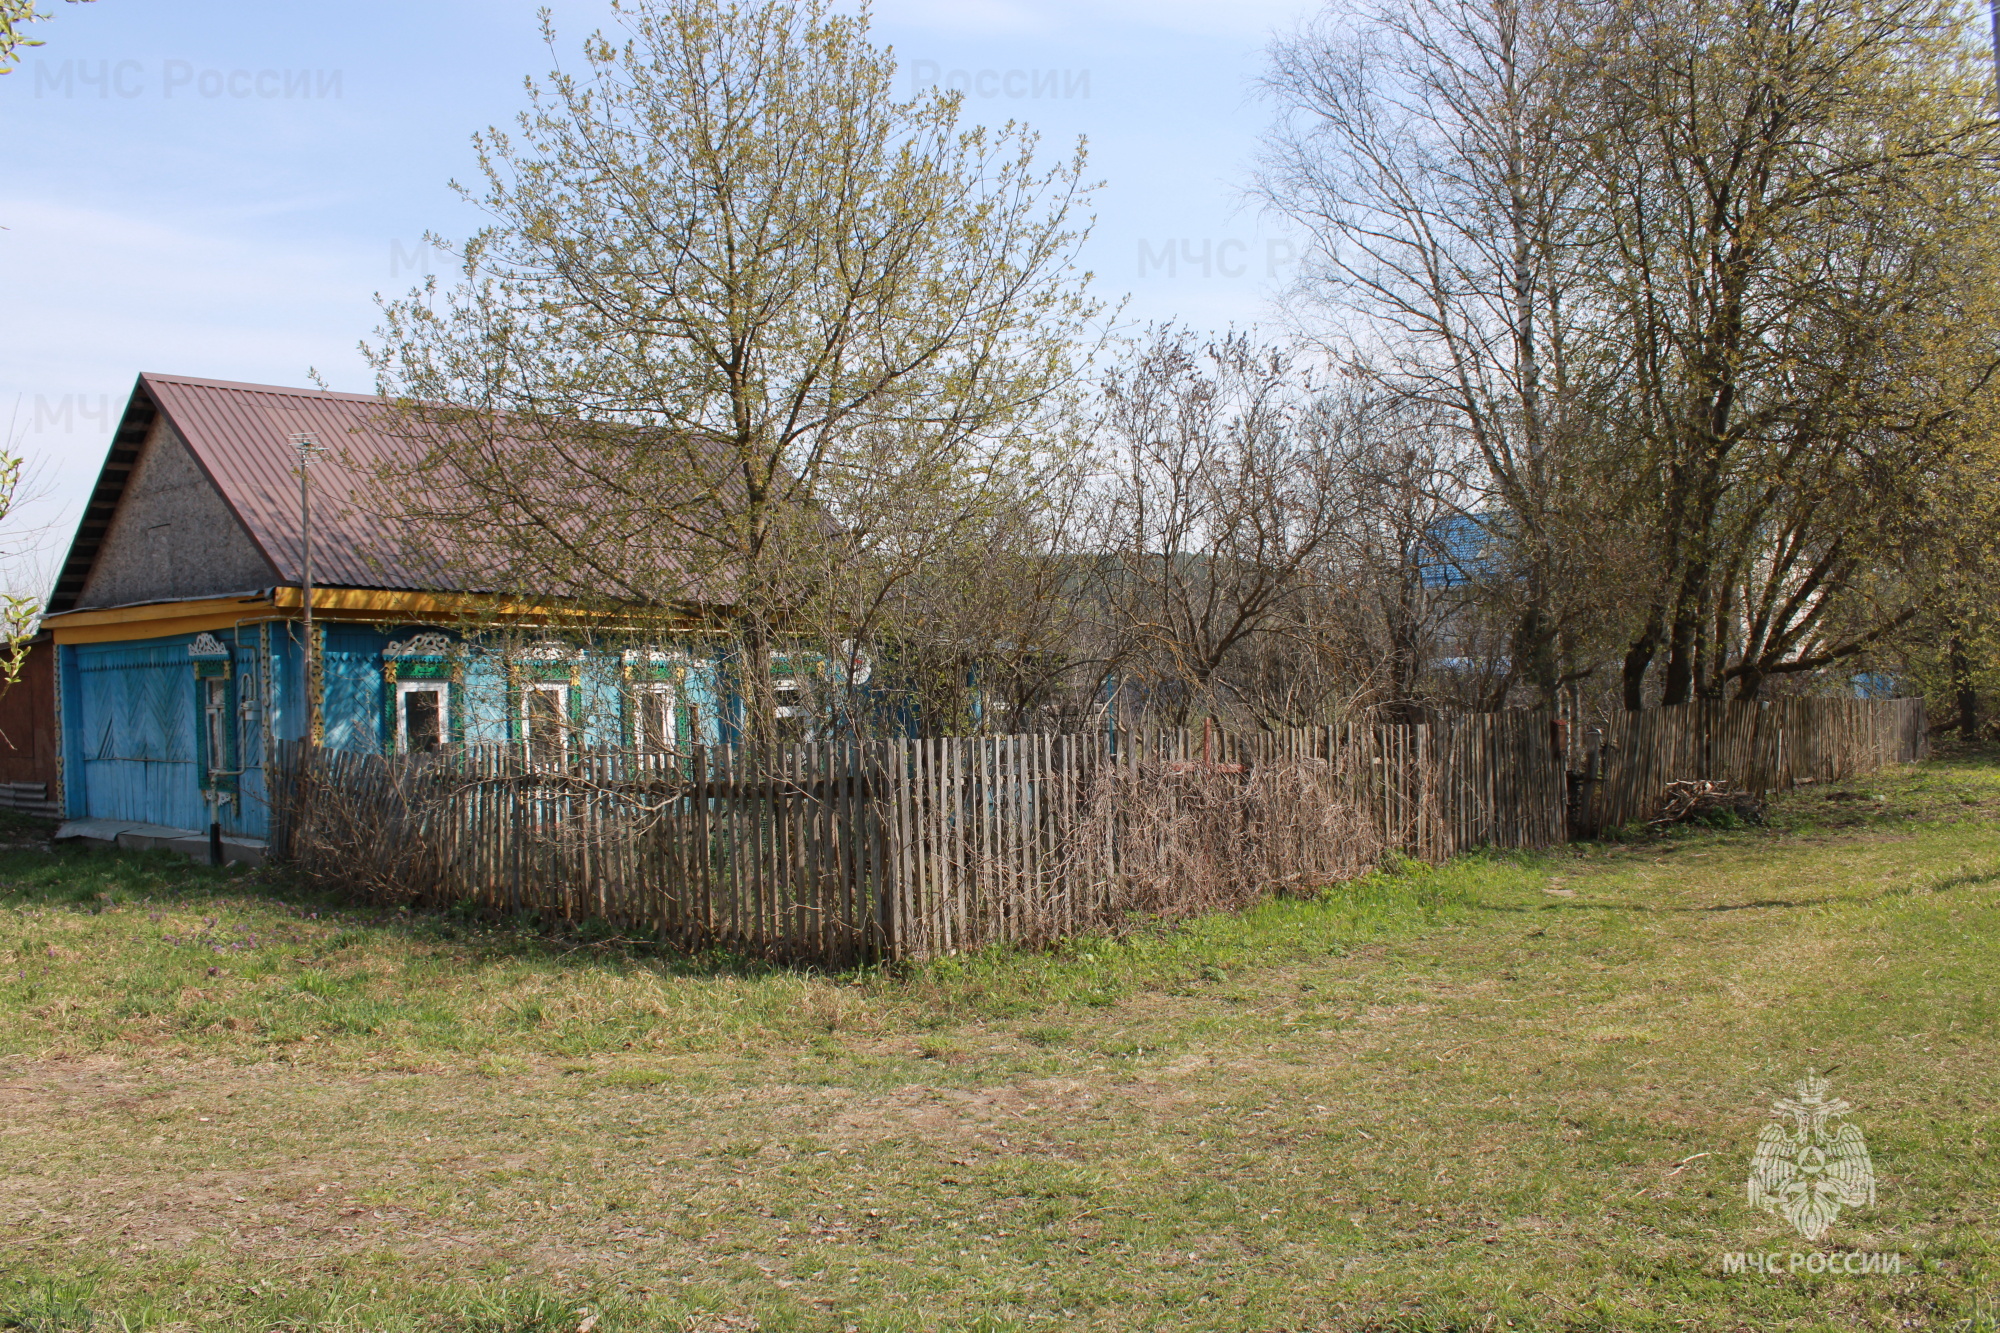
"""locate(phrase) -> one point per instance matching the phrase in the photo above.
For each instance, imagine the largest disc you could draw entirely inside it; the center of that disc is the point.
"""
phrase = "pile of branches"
(1699, 800)
(371, 827)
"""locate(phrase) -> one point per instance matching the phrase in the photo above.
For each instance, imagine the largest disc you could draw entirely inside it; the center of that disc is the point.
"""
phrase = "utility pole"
(309, 449)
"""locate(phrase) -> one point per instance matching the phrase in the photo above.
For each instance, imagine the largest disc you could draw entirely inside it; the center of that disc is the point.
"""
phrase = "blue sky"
(221, 188)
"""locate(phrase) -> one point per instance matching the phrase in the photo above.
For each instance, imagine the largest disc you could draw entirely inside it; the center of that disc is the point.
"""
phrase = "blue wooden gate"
(135, 716)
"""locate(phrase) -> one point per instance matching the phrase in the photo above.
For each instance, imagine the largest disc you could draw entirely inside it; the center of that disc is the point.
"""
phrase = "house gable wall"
(173, 536)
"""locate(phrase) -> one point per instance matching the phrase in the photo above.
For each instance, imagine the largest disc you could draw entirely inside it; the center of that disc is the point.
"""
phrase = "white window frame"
(656, 689)
(788, 686)
(405, 688)
(561, 690)
(215, 722)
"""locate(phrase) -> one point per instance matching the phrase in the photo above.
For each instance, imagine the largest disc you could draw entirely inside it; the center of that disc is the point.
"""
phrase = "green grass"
(1511, 1091)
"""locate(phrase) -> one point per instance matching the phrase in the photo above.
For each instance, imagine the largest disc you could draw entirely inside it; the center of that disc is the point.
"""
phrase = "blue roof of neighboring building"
(1459, 552)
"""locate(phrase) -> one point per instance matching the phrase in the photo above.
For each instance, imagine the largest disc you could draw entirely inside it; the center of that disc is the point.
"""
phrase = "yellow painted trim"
(426, 603)
(158, 629)
(160, 619)
(358, 603)
(151, 611)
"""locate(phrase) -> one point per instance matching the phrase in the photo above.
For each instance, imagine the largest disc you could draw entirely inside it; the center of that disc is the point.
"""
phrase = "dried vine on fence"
(1196, 838)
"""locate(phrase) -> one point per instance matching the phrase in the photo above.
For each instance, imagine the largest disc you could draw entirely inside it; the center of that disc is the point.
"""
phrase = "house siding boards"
(133, 732)
(351, 688)
(134, 711)
(132, 707)
(172, 536)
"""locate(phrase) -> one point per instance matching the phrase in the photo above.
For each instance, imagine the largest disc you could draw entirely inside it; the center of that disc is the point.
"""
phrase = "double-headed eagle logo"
(1809, 1173)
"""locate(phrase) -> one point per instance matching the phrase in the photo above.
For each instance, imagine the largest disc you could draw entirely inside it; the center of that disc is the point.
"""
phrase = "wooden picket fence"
(845, 851)
(904, 848)
(1761, 747)
(1032, 838)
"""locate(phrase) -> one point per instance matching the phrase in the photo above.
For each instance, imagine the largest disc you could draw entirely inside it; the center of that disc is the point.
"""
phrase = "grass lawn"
(1516, 1091)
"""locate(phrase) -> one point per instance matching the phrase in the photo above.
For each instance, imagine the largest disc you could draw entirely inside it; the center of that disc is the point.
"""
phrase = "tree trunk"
(1962, 687)
(1683, 638)
(1638, 658)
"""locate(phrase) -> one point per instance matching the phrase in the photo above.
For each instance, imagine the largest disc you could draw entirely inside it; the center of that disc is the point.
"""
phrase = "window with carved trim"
(215, 723)
(654, 718)
(545, 723)
(423, 715)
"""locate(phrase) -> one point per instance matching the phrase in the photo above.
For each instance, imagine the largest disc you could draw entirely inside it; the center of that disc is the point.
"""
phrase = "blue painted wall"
(130, 718)
(351, 688)
(131, 714)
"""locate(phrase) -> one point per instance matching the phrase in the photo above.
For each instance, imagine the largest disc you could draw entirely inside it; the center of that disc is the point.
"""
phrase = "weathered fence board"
(1626, 762)
(841, 851)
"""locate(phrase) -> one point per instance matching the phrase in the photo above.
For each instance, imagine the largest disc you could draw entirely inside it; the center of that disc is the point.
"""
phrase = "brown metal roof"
(240, 434)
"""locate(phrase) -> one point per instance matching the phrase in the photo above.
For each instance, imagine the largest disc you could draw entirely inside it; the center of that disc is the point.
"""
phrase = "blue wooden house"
(177, 620)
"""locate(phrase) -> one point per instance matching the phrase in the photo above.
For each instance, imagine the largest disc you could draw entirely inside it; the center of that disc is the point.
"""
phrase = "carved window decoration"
(427, 644)
(418, 674)
(216, 723)
(659, 715)
(208, 648)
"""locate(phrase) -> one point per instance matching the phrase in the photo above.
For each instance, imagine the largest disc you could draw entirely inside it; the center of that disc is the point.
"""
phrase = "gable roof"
(240, 437)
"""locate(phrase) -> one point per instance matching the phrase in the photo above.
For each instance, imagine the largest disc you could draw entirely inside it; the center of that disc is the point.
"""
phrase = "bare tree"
(1706, 285)
(1216, 501)
(1428, 147)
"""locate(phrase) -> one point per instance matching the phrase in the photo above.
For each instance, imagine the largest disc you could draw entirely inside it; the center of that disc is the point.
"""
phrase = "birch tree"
(741, 320)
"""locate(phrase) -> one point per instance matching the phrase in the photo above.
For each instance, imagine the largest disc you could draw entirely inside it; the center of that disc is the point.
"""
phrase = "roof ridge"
(164, 377)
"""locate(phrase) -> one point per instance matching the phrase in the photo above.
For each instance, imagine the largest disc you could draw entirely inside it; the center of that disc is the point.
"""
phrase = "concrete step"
(137, 837)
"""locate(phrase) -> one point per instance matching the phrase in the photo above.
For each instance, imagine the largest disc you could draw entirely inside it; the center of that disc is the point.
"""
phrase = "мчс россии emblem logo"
(1809, 1173)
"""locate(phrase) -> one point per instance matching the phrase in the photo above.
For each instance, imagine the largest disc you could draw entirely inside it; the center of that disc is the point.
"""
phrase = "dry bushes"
(1194, 837)
(1024, 854)
(478, 825)
(376, 837)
